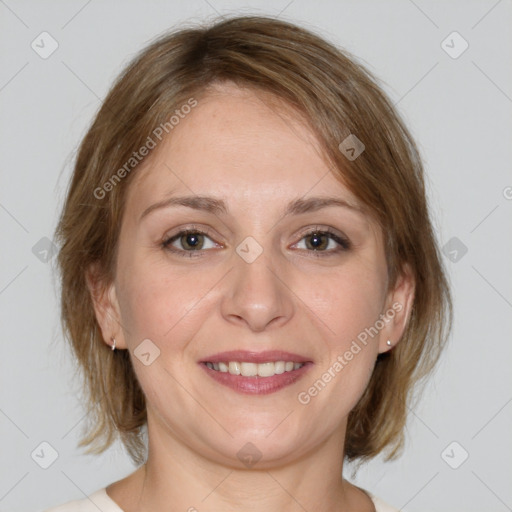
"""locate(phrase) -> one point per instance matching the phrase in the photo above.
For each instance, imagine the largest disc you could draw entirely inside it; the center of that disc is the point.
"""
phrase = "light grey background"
(459, 110)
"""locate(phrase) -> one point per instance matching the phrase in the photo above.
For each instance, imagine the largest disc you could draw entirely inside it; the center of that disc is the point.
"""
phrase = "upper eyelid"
(202, 231)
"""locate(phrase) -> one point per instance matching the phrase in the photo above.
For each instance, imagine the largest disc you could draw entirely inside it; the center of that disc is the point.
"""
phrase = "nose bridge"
(256, 294)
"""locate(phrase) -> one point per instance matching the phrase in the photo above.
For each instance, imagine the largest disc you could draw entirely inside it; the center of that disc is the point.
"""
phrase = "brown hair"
(337, 96)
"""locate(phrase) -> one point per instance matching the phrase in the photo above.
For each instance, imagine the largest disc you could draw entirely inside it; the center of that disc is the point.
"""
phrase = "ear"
(106, 306)
(397, 310)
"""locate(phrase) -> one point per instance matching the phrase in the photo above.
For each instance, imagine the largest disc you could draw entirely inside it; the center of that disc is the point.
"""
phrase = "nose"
(257, 294)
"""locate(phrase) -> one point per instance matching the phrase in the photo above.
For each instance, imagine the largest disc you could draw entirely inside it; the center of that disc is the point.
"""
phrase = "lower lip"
(257, 385)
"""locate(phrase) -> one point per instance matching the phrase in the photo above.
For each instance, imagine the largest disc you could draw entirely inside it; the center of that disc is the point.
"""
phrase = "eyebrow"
(218, 206)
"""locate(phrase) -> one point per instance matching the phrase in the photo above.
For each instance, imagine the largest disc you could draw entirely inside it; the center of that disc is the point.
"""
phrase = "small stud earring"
(389, 343)
(113, 346)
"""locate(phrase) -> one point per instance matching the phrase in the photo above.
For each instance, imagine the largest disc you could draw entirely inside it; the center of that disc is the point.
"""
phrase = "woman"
(249, 272)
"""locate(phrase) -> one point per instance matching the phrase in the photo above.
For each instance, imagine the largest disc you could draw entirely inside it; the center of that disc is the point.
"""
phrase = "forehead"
(240, 144)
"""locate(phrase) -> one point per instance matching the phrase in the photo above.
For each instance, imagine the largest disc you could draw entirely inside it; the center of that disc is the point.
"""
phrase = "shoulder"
(381, 506)
(101, 500)
(97, 500)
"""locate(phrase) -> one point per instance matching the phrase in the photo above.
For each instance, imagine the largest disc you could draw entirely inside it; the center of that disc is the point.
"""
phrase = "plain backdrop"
(457, 102)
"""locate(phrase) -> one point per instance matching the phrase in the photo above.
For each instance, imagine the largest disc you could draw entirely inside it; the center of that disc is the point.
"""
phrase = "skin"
(237, 147)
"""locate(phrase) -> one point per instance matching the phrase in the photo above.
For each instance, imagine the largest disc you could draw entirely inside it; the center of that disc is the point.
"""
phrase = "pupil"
(192, 240)
(316, 240)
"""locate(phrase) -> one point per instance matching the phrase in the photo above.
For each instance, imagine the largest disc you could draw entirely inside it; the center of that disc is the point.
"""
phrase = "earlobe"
(398, 310)
(106, 308)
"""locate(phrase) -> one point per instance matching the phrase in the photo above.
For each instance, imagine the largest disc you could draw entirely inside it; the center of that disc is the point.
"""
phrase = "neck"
(178, 478)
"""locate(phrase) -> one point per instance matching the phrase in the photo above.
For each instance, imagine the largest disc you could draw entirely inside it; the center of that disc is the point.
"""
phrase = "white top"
(100, 500)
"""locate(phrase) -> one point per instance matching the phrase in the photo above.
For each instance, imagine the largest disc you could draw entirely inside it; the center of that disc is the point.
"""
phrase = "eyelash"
(343, 243)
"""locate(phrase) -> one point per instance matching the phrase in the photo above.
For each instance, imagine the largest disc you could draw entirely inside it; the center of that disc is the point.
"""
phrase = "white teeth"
(266, 370)
(234, 368)
(249, 369)
(279, 367)
(254, 369)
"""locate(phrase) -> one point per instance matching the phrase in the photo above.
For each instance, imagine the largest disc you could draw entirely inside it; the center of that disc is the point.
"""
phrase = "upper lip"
(255, 357)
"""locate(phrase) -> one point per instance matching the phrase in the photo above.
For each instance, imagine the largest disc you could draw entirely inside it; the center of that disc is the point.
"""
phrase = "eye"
(324, 241)
(190, 240)
(318, 242)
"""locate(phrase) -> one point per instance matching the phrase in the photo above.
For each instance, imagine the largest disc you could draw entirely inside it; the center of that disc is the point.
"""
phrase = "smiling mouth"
(245, 369)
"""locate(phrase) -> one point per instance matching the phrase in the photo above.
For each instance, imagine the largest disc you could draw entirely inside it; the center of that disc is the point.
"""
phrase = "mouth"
(256, 373)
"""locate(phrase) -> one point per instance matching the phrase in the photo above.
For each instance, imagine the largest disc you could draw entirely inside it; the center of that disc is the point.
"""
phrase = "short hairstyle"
(337, 96)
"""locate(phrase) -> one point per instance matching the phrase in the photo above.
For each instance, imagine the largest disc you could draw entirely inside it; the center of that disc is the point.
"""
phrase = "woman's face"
(260, 280)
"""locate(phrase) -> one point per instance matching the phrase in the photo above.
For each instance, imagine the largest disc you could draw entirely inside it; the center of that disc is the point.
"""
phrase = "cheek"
(156, 301)
(344, 305)
(346, 301)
